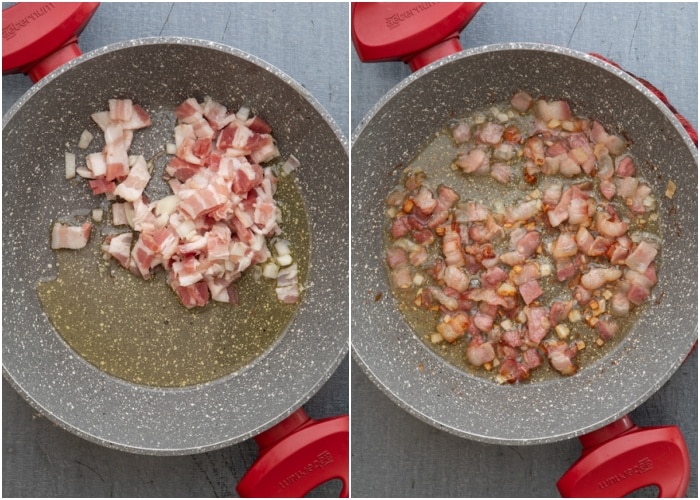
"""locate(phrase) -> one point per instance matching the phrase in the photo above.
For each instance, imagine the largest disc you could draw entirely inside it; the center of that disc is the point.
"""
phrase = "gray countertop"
(397, 455)
(309, 43)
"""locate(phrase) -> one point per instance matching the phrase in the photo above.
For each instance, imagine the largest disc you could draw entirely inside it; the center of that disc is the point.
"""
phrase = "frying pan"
(398, 127)
(201, 417)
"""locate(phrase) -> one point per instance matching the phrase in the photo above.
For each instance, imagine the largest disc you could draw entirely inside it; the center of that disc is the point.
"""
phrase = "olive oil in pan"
(435, 160)
(139, 331)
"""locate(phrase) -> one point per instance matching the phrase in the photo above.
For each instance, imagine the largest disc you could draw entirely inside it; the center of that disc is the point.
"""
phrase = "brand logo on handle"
(395, 20)
(644, 465)
(322, 460)
(12, 28)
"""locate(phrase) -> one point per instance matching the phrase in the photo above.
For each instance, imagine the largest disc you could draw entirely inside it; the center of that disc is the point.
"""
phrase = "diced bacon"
(480, 352)
(483, 321)
(195, 295)
(265, 150)
(476, 212)
(101, 185)
(619, 305)
(452, 327)
(120, 248)
(215, 224)
(607, 328)
(132, 187)
(642, 255)
(512, 371)
(501, 172)
(527, 245)
(599, 276)
(521, 101)
(424, 200)
(222, 290)
(538, 324)
(257, 124)
(638, 294)
(486, 231)
(97, 163)
(475, 161)
(531, 358)
(626, 187)
(452, 248)
(523, 274)
(609, 227)
(288, 285)
(552, 194)
(139, 119)
(493, 277)
(534, 150)
(624, 166)
(461, 133)
(565, 269)
(490, 133)
(524, 211)
(576, 224)
(456, 278)
(564, 246)
(71, 237)
(402, 277)
(245, 176)
(447, 196)
(561, 357)
(120, 110)
(116, 156)
(488, 295)
(180, 169)
(450, 303)
(607, 189)
(600, 246)
(396, 256)
(530, 291)
(619, 250)
(559, 311)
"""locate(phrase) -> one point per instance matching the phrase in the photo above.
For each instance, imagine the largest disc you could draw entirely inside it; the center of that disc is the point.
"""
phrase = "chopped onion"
(81, 171)
(167, 205)
(284, 260)
(290, 165)
(670, 189)
(97, 214)
(170, 148)
(270, 270)
(85, 139)
(70, 165)
(243, 113)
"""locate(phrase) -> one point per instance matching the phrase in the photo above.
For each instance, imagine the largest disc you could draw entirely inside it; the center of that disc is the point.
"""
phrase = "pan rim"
(361, 353)
(331, 355)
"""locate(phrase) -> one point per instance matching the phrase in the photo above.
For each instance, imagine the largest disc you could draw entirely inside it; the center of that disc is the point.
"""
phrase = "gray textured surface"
(395, 454)
(42, 460)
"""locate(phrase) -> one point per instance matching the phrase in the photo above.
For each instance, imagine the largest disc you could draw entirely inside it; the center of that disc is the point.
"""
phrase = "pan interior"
(249, 390)
(137, 329)
(433, 389)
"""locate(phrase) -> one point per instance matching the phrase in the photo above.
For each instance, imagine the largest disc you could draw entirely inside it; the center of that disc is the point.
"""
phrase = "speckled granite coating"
(60, 383)
(443, 395)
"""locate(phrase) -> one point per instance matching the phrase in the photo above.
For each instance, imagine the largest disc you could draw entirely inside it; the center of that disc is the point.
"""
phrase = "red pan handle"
(621, 458)
(297, 455)
(37, 38)
(415, 33)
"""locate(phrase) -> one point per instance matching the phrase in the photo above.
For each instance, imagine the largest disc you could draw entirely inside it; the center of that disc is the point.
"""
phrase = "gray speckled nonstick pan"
(159, 73)
(447, 397)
